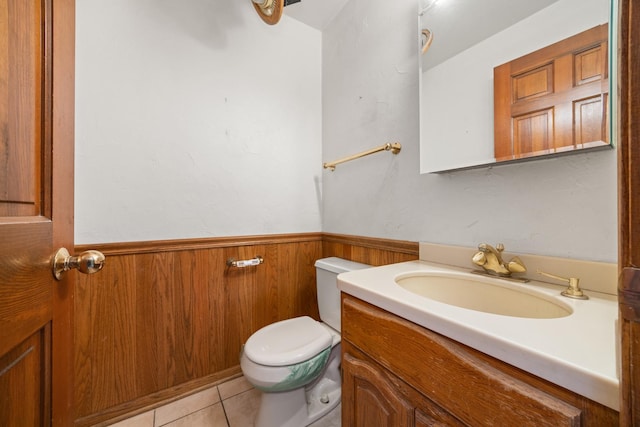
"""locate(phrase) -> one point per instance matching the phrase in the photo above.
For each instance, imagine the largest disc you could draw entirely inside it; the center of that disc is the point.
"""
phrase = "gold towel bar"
(394, 147)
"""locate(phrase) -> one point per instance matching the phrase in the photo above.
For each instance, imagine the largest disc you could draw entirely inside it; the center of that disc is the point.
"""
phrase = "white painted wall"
(194, 119)
(177, 136)
(558, 207)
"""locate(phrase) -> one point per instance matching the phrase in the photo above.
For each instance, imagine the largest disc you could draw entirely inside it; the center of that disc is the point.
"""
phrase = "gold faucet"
(490, 259)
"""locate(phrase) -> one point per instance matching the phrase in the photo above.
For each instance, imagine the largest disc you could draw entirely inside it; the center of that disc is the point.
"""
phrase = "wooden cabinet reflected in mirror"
(553, 100)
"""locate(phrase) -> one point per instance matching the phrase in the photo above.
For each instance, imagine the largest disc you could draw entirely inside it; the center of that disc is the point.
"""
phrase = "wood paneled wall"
(368, 250)
(167, 318)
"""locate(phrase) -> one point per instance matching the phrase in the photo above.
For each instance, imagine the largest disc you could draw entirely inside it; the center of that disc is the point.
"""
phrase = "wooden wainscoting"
(163, 318)
(168, 318)
(368, 250)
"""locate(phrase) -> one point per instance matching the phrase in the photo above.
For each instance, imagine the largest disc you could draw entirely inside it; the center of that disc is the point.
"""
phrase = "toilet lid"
(287, 342)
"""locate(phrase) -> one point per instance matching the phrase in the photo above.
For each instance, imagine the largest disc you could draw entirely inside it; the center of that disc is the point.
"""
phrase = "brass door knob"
(87, 262)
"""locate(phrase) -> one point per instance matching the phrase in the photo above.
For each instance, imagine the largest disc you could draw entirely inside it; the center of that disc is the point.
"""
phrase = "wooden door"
(554, 99)
(629, 208)
(36, 210)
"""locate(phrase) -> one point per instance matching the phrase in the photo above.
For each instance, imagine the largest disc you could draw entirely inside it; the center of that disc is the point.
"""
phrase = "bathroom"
(199, 138)
(215, 125)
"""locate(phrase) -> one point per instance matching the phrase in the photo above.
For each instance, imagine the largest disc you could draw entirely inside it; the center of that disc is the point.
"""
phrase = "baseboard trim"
(156, 400)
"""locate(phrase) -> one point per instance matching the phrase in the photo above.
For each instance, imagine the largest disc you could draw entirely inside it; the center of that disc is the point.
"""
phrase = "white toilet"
(296, 362)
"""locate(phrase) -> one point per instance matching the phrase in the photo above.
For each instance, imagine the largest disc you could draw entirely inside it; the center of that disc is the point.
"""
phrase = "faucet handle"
(573, 291)
(500, 247)
(516, 265)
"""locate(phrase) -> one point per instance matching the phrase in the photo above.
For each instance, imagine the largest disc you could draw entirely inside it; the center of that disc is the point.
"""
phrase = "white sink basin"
(574, 346)
(487, 295)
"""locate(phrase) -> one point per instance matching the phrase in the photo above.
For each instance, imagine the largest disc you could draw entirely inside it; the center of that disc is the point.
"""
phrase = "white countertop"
(577, 352)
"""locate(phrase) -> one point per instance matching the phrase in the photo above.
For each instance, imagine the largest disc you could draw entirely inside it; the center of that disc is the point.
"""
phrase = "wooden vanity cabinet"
(396, 373)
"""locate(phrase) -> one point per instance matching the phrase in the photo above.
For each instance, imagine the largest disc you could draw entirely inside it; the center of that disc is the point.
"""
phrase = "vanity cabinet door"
(369, 399)
(373, 397)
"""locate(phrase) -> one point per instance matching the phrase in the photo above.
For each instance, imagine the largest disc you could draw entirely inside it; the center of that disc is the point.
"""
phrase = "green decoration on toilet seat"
(302, 373)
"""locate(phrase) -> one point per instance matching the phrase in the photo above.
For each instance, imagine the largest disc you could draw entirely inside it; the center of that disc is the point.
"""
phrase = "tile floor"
(231, 404)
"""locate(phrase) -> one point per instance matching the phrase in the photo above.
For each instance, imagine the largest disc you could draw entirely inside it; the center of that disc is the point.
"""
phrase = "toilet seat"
(288, 342)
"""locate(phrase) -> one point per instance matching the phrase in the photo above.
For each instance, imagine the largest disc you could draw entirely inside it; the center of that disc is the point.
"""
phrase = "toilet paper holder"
(231, 262)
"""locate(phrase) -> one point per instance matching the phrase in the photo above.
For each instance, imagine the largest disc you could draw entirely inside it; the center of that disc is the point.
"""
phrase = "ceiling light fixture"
(271, 10)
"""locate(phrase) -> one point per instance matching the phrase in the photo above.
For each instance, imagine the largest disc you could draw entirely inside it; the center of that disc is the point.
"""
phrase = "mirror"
(469, 39)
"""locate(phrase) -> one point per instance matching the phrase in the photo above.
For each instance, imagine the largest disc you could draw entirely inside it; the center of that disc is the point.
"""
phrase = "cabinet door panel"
(369, 399)
(428, 414)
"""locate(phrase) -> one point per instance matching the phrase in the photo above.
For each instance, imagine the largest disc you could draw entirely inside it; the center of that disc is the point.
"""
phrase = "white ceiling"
(315, 13)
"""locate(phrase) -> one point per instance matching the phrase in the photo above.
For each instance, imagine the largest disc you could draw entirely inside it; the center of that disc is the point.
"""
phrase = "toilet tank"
(327, 270)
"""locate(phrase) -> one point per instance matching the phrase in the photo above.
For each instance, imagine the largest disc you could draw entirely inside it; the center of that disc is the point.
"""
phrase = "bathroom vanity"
(398, 371)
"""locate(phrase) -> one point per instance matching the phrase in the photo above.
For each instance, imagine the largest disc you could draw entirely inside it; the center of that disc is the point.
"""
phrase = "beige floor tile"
(233, 387)
(212, 416)
(185, 406)
(142, 420)
(241, 409)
